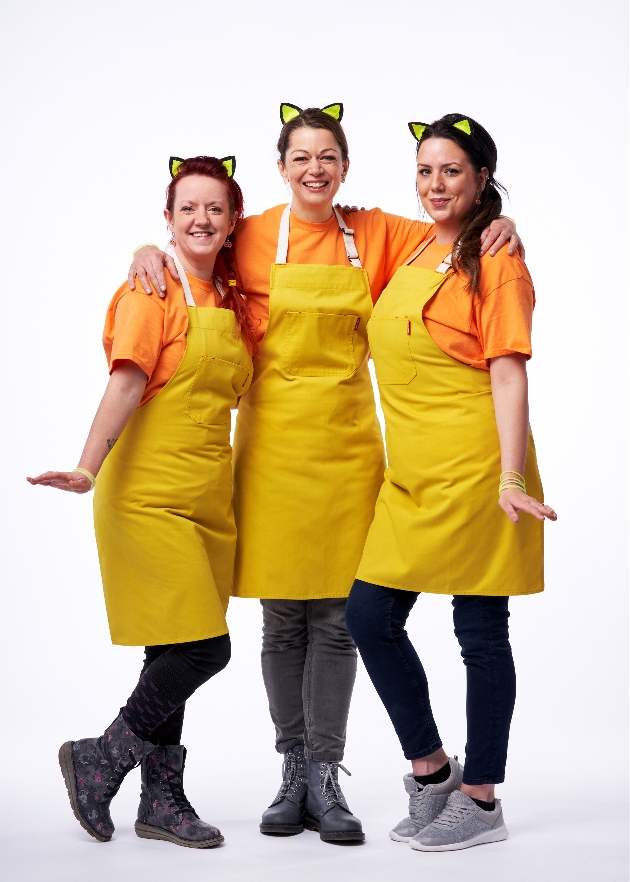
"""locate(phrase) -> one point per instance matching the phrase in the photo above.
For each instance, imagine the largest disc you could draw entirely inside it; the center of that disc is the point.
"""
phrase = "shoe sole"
(285, 829)
(497, 835)
(67, 770)
(146, 831)
(333, 835)
(396, 837)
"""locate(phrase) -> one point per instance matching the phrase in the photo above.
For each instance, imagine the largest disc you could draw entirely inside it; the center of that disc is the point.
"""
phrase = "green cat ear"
(417, 129)
(334, 110)
(289, 112)
(464, 126)
(174, 164)
(230, 165)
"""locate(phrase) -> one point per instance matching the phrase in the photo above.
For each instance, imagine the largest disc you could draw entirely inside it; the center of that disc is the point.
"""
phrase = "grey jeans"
(309, 664)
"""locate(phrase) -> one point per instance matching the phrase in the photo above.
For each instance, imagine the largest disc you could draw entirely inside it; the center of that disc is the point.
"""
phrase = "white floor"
(577, 834)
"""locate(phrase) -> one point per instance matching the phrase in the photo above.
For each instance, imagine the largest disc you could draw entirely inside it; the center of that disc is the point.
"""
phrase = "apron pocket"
(214, 390)
(389, 343)
(319, 344)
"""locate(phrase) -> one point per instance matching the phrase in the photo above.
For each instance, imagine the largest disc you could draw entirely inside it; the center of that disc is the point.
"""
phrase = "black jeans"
(376, 618)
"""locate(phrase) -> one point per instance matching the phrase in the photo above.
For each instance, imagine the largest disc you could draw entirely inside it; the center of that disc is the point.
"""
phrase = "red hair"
(234, 299)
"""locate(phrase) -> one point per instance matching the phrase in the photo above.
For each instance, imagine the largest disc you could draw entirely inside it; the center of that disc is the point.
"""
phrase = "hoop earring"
(227, 243)
(343, 179)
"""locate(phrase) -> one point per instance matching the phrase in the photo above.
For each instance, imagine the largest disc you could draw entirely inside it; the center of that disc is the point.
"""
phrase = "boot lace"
(123, 764)
(329, 784)
(173, 789)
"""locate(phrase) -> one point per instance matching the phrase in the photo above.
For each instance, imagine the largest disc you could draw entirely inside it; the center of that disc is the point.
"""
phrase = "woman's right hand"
(512, 500)
(148, 265)
(72, 482)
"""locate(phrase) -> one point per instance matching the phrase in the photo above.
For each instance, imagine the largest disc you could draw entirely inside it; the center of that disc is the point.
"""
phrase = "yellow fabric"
(438, 527)
(308, 450)
(163, 505)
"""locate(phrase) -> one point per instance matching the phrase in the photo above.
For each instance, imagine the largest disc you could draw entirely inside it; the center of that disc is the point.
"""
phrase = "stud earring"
(227, 243)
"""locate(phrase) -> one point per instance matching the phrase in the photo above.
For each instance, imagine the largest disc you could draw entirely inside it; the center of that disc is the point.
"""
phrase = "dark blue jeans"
(376, 619)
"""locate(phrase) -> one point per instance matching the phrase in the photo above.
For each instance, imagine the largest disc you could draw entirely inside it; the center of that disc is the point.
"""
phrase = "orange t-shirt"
(384, 242)
(151, 330)
(495, 321)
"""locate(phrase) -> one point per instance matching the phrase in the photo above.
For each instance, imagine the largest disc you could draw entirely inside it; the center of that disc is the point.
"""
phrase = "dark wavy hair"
(312, 118)
(234, 299)
(482, 153)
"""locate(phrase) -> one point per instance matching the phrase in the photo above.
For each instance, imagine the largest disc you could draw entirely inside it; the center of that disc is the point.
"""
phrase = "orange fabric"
(496, 321)
(384, 242)
(151, 331)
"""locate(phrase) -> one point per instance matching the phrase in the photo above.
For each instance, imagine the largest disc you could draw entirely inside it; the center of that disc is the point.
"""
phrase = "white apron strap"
(183, 278)
(443, 268)
(283, 239)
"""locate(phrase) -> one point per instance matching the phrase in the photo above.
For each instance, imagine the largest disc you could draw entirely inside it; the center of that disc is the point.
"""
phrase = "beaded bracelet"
(88, 475)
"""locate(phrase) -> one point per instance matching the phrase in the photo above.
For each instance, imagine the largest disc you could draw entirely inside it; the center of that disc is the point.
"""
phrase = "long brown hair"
(234, 299)
(312, 118)
(482, 153)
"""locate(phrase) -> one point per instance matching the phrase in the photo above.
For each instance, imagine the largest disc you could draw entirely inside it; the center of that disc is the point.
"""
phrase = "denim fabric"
(309, 665)
(376, 618)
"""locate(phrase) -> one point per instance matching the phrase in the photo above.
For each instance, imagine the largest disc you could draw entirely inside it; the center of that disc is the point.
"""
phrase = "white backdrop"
(95, 98)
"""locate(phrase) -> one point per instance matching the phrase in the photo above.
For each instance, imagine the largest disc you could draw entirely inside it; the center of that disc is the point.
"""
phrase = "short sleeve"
(138, 331)
(504, 319)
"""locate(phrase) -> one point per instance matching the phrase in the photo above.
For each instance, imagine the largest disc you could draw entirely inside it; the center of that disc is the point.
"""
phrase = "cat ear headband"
(290, 111)
(417, 129)
(228, 161)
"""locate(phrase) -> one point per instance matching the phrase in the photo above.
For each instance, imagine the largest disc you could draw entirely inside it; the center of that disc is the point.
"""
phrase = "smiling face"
(448, 185)
(314, 168)
(201, 220)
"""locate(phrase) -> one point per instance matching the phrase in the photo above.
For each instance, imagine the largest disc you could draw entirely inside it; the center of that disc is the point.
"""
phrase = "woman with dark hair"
(308, 451)
(450, 337)
(163, 505)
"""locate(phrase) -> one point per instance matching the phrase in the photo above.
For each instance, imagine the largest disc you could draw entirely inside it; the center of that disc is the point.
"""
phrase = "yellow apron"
(308, 450)
(163, 505)
(438, 527)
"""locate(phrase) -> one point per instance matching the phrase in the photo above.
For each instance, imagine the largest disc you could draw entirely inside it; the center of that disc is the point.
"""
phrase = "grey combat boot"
(284, 815)
(164, 811)
(94, 768)
(425, 802)
(326, 808)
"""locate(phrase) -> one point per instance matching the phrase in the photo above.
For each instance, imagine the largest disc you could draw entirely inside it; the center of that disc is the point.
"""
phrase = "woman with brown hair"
(158, 455)
(309, 457)
(450, 337)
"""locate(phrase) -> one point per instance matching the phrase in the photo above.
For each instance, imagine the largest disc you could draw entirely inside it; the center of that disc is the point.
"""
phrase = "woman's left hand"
(501, 231)
(72, 482)
(512, 500)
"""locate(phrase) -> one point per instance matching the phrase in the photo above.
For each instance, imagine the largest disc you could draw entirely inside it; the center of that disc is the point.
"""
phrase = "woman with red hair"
(160, 446)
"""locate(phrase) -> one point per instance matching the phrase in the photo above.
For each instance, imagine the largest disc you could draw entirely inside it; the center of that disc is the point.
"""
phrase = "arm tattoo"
(110, 443)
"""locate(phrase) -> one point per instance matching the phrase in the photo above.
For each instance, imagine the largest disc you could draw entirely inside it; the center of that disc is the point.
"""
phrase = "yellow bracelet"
(152, 244)
(88, 475)
(507, 484)
(512, 472)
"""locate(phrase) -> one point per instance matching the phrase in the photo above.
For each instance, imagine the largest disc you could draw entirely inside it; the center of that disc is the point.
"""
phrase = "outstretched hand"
(148, 265)
(512, 500)
(72, 482)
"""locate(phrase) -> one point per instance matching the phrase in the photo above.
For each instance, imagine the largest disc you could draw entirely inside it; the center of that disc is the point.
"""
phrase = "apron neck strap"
(348, 239)
(190, 301)
(443, 268)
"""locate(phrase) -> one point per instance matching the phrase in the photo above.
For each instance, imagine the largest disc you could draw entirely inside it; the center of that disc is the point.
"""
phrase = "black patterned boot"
(94, 768)
(164, 811)
(326, 809)
(284, 815)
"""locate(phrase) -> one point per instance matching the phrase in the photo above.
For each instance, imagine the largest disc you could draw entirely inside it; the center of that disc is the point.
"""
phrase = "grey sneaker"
(461, 824)
(425, 802)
